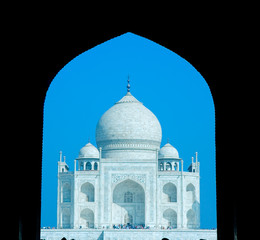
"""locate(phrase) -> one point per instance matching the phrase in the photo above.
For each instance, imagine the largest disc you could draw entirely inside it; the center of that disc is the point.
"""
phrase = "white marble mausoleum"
(128, 179)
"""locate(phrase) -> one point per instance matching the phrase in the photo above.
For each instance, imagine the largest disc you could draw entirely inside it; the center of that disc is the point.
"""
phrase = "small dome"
(168, 151)
(89, 151)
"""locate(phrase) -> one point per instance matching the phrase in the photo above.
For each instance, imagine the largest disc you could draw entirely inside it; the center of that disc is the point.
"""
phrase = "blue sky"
(162, 80)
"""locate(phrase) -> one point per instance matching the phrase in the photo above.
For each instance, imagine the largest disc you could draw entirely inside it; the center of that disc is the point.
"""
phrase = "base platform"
(128, 234)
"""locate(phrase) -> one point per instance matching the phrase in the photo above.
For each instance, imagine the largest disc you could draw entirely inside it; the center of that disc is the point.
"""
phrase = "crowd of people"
(130, 226)
(126, 226)
(168, 227)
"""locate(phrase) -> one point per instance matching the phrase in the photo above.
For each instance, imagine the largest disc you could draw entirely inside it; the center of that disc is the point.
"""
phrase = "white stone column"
(101, 196)
(182, 196)
(96, 197)
(74, 194)
(156, 190)
(58, 203)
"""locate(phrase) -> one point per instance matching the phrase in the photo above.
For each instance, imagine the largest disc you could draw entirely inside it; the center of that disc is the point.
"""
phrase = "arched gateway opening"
(120, 203)
(128, 203)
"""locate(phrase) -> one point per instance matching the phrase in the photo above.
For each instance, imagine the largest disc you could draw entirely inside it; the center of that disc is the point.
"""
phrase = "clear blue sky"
(163, 81)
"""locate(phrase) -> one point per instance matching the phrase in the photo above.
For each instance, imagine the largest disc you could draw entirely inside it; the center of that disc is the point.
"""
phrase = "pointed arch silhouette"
(58, 60)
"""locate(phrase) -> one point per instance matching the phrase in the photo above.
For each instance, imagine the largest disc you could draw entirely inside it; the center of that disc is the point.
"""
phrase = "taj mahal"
(128, 186)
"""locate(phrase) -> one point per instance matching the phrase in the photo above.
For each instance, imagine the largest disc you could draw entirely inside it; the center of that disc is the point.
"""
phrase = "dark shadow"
(101, 237)
(42, 52)
(196, 208)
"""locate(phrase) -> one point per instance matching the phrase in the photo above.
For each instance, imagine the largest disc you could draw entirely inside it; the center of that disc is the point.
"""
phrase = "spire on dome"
(128, 84)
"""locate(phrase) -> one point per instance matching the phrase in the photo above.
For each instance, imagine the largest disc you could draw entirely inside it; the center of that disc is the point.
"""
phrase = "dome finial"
(128, 84)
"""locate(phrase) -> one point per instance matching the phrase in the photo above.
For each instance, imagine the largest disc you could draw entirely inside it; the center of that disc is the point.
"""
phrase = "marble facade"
(129, 180)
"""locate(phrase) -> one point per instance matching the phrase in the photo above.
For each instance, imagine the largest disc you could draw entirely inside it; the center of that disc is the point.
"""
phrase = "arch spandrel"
(119, 178)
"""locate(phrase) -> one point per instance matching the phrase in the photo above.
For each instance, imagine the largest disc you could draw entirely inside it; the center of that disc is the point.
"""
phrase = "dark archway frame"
(45, 54)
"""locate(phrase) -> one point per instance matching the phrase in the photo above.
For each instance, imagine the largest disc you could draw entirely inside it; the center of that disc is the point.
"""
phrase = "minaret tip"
(60, 155)
(128, 84)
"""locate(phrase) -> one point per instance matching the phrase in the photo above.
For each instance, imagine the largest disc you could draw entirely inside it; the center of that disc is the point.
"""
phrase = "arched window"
(168, 166)
(170, 193)
(88, 192)
(95, 166)
(161, 167)
(87, 218)
(66, 218)
(190, 193)
(191, 219)
(81, 166)
(176, 167)
(190, 187)
(88, 166)
(170, 218)
(128, 197)
(66, 192)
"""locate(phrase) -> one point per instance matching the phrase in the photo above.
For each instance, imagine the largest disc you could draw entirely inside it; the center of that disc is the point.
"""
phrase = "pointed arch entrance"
(170, 218)
(128, 205)
(87, 218)
(94, 101)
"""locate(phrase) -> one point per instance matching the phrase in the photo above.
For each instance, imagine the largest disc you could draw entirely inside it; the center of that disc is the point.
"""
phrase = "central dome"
(128, 125)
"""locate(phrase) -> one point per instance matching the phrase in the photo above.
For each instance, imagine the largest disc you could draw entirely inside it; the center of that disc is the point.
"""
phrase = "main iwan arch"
(128, 203)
